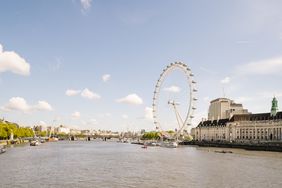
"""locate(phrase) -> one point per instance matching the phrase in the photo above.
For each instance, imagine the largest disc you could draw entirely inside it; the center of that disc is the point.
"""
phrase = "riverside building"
(235, 124)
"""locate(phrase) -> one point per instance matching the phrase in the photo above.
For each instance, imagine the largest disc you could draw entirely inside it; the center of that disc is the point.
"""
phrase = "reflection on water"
(109, 164)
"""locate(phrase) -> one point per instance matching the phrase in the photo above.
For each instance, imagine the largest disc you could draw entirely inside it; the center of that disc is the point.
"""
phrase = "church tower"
(274, 107)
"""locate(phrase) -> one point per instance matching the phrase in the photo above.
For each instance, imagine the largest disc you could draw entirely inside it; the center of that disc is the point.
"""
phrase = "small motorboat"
(169, 144)
(144, 146)
(152, 144)
(34, 143)
(2, 149)
(53, 139)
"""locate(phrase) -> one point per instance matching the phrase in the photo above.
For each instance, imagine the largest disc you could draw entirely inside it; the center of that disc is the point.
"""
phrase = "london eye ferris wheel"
(183, 122)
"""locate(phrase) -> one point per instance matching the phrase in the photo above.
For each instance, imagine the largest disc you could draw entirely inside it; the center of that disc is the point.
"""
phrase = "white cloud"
(106, 77)
(149, 113)
(243, 99)
(108, 114)
(86, 4)
(264, 67)
(72, 92)
(124, 116)
(11, 61)
(20, 104)
(42, 123)
(90, 122)
(105, 115)
(43, 105)
(226, 80)
(86, 93)
(173, 89)
(75, 115)
(131, 99)
(17, 104)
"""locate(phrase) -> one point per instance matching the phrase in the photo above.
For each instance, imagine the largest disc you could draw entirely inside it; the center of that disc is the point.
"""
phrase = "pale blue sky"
(69, 46)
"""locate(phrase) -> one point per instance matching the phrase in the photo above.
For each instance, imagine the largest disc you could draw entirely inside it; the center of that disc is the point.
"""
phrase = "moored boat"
(2, 149)
(144, 146)
(53, 139)
(34, 143)
(169, 144)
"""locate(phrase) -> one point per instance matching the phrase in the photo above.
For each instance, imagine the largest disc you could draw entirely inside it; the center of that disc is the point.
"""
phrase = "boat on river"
(2, 149)
(170, 144)
(53, 139)
(144, 146)
(34, 143)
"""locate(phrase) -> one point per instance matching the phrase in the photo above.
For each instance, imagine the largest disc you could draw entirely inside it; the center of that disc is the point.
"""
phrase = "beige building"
(244, 127)
(223, 108)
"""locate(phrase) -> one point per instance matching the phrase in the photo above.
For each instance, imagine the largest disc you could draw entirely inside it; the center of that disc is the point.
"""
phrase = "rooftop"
(241, 117)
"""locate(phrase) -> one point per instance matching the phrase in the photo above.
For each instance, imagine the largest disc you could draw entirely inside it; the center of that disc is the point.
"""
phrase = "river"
(117, 165)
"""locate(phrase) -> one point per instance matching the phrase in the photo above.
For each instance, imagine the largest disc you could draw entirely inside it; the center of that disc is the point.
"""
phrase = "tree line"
(7, 128)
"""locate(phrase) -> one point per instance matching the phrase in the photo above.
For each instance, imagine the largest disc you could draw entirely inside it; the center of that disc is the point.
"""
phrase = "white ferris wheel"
(183, 122)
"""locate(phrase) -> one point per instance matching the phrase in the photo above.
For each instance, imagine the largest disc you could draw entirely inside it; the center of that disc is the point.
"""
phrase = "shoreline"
(8, 143)
(275, 147)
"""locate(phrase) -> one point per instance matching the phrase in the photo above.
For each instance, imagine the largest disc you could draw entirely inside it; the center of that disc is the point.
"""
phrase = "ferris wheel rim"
(192, 89)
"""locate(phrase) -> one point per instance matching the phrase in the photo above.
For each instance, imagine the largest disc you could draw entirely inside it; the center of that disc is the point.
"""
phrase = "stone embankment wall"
(267, 146)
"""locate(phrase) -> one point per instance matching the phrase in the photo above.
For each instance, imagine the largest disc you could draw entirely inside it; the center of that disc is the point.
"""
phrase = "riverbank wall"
(266, 146)
(12, 142)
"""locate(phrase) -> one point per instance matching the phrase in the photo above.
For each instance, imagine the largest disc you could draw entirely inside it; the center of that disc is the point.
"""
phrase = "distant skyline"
(93, 64)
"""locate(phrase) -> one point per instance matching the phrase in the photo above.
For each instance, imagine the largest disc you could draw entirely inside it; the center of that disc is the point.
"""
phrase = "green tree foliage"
(170, 132)
(151, 136)
(188, 138)
(41, 133)
(6, 128)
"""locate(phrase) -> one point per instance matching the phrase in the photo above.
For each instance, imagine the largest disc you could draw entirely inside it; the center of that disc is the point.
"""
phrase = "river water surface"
(117, 165)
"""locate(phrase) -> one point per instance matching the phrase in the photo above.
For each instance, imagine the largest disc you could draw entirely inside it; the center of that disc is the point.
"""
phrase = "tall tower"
(274, 107)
